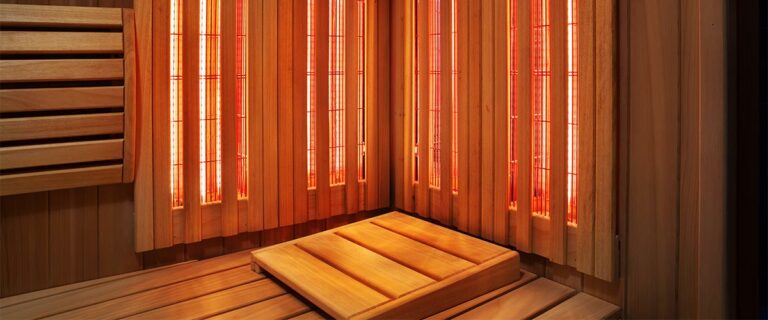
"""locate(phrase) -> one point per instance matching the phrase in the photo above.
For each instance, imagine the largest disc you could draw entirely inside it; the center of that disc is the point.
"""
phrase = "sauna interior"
(403, 159)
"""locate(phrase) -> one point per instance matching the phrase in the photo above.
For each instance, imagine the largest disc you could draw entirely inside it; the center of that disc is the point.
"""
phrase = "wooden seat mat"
(390, 266)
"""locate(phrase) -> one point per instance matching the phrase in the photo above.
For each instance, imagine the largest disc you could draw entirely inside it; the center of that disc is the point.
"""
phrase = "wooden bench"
(390, 266)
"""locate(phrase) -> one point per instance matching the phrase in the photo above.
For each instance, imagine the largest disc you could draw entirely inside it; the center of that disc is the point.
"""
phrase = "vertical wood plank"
(350, 103)
(486, 128)
(285, 111)
(25, 244)
(382, 81)
(586, 185)
(523, 233)
(373, 106)
(72, 232)
(410, 104)
(422, 28)
(191, 82)
(446, 114)
(559, 128)
(398, 69)
(129, 96)
(462, 52)
(323, 155)
(501, 123)
(161, 124)
(143, 188)
(475, 113)
(270, 74)
(256, 100)
(605, 140)
(299, 111)
(115, 210)
(228, 56)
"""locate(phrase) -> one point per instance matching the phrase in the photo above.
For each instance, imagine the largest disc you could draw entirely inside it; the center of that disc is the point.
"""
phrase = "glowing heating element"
(176, 96)
(434, 92)
(541, 107)
(210, 101)
(336, 85)
(242, 97)
(513, 116)
(454, 104)
(417, 92)
(311, 96)
(361, 125)
(573, 110)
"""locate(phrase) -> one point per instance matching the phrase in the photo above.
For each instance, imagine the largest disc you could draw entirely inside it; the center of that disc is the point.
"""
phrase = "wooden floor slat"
(427, 260)
(581, 306)
(320, 283)
(312, 315)
(364, 265)
(460, 245)
(71, 300)
(164, 296)
(217, 303)
(280, 307)
(523, 303)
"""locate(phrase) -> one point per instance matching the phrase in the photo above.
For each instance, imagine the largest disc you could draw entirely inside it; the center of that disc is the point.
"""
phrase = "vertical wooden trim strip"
(350, 82)
(486, 129)
(501, 123)
(323, 168)
(130, 63)
(300, 195)
(399, 132)
(163, 224)
(193, 221)
(285, 111)
(381, 101)
(255, 116)
(269, 72)
(525, 117)
(462, 29)
(586, 186)
(422, 193)
(409, 103)
(559, 128)
(373, 106)
(475, 108)
(446, 114)
(605, 140)
(229, 215)
(143, 188)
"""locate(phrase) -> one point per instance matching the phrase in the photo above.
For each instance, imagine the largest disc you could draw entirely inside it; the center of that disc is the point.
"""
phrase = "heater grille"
(434, 92)
(210, 101)
(513, 115)
(176, 104)
(242, 96)
(573, 109)
(541, 107)
(336, 105)
(361, 106)
(454, 104)
(311, 96)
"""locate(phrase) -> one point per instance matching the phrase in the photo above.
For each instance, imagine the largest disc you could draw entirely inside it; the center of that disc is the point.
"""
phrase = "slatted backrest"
(67, 92)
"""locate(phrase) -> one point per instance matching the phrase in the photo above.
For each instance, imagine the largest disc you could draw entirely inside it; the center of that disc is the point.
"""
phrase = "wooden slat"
(73, 235)
(39, 42)
(45, 99)
(325, 286)
(475, 116)
(423, 103)
(255, 116)
(523, 303)
(427, 260)
(143, 190)
(60, 179)
(163, 296)
(60, 70)
(372, 99)
(270, 118)
(130, 82)
(216, 303)
(352, 202)
(523, 225)
(322, 90)
(446, 114)
(229, 137)
(300, 195)
(462, 52)
(59, 16)
(381, 148)
(191, 118)
(280, 307)
(460, 245)
(586, 119)
(161, 126)
(312, 315)
(13, 129)
(405, 84)
(285, 117)
(70, 300)
(559, 129)
(581, 306)
(487, 132)
(115, 250)
(60, 153)
(606, 136)
(24, 242)
(501, 124)
(458, 309)
(397, 69)
(364, 265)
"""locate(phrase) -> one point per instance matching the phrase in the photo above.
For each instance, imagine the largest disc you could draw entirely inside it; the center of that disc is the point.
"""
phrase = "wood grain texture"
(256, 116)
(193, 218)
(475, 112)
(285, 116)
(73, 234)
(129, 84)
(558, 129)
(143, 186)
(463, 307)
(60, 179)
(581, 306)
(351, 137)
(46, 99)
(25, 244)
(423, 102)
(116, 253)
(523, 223)
(322, 139)
(523, 303)
(59, 16)
(60, 70)
(487, 133)
(34, 42)
(229, 138)
(60, 126)
(300, 194)
(60, 153)
(280, 307)
(501, 113)
(446, 115)
(462, 63)
(161, 129)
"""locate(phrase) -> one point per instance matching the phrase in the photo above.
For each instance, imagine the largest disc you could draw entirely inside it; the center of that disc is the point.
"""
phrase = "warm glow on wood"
(434, 92)
(513, 116)
(210, 101)
(573, 110)
(311, 96)
(176, 103)
(242, 97)
(454, 104)
(361, 107)
(336, 85)
(541, 106)
(417, 93)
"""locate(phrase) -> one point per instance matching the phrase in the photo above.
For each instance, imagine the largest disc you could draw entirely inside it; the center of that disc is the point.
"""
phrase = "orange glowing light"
(210, 101)
(336, 85)
(573, 110)
(541, 107)
(242, 97)
(176, 100)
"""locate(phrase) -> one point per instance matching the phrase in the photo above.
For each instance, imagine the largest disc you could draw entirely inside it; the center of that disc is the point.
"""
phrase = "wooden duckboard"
(390, 266)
